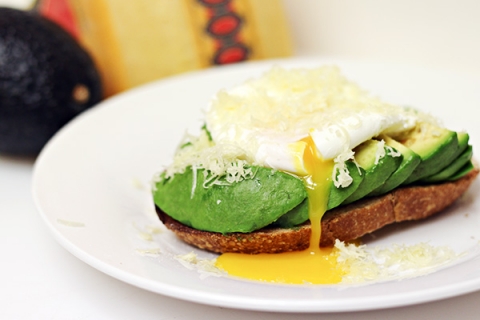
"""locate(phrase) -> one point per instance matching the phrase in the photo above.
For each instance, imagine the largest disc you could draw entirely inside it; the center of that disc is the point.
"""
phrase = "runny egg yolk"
(315, 265)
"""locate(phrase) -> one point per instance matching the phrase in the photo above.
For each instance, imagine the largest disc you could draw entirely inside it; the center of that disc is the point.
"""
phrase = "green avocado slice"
(409, 162)
(294, 217)
(463, 139)
(238, 207)
(376, 172)
(452, 168)
(462, 172)
(437, 147)
(338, 195)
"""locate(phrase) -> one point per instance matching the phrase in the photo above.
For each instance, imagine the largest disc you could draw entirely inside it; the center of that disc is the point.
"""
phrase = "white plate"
(91, 186)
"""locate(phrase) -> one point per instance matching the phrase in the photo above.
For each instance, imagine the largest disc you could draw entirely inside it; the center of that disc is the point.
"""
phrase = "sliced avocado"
(238, 207)
(299, 214)
(338, 195)
(463, 139)
(377, 171)
(462, 172)
(437, 147)
(452, 168)
(409, 162)
(294, 217)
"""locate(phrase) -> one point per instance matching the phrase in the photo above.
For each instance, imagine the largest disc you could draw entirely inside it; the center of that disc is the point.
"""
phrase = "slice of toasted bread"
(345, 223)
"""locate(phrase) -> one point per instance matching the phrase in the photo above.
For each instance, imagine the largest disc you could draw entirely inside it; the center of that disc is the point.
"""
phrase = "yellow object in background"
(134, 42)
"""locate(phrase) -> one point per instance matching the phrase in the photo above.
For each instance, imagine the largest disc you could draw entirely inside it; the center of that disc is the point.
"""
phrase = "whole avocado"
(46, 79)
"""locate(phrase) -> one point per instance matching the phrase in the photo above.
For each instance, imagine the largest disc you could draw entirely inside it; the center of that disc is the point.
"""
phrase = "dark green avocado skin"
(40, 65)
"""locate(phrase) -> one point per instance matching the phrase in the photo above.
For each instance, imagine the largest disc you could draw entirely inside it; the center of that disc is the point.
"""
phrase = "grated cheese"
(206, 267)
(70, 223)
(380, 152)
(137, 183)
(222, 163)
(340, 176)
(392, 152)
(394, 262)
(149, 252)
(147, 233)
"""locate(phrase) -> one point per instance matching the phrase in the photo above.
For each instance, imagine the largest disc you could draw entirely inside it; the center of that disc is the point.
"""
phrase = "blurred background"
(433, 33)
(138, 41)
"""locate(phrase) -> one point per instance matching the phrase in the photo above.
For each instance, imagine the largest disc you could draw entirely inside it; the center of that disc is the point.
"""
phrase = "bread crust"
(345, 223)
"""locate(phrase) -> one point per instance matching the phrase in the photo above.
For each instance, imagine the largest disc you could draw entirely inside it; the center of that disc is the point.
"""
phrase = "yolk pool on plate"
(315, 265)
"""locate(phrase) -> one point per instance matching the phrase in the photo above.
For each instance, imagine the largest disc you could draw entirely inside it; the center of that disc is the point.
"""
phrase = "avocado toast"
(234, 188)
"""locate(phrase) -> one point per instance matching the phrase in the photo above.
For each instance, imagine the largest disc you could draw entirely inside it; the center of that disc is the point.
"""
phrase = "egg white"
(269, 116)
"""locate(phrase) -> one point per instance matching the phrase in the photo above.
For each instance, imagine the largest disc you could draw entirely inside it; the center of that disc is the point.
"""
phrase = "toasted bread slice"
(345, 223)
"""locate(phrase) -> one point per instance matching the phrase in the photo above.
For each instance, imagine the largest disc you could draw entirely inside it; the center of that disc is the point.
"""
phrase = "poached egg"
(269, 117)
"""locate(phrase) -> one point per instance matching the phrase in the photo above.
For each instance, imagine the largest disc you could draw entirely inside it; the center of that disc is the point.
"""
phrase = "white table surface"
(39, 279)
